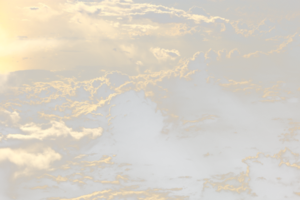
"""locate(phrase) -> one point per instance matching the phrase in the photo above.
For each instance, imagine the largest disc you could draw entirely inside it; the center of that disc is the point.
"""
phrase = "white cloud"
(165, 54)
(36, 148)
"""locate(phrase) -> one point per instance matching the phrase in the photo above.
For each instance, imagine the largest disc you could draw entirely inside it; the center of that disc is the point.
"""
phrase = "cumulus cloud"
(35, 148)
(164, 54)
(118, 9)
(199, 11)
(233, 53)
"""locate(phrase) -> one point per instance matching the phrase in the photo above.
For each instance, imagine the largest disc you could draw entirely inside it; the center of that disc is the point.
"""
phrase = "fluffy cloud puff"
(155, 13)
(35, 148)
(162, 54)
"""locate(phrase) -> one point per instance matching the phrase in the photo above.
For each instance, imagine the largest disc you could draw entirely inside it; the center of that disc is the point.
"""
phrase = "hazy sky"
(152, 100)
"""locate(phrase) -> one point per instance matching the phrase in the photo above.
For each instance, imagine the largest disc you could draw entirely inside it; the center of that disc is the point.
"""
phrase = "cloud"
(266, 176)
(43, 11)
(35, 148)
(233, 53)
(123, 9)
(183, 124)
(233, 187)
(290, 45)
(8, 81)
(276, 173)
(123, 193)
(117, 79)
(255, 54)
(277, 93)
(279, 49)
(17, 164)
(212, 55)
(199, 11)
(164, 54)
(132, 117)
(291, 134)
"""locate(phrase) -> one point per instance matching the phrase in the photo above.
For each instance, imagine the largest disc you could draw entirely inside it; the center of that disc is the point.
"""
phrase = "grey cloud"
(34, 8)
(125, 193)
(82, 93)
(242, 25)
(246, 10)
(199, 11)
(156, 13)
(222, 54)
(288, 155)
(276, 93)
(132, 117)
(4, 83)
(291, 134)
(271, 176)
(117, 78)
(103, 92)
(198, 61)
(212, 55)
(229, 189)
(289, 45)
(234, 53)
(267, 25)
(162, 54)
(267, 177)
(35, 148)
(206, 118)
(228, 28)
(98, 178)
(255, 54)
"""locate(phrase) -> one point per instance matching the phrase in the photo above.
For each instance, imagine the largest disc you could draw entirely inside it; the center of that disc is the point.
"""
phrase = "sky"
(149, 100)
